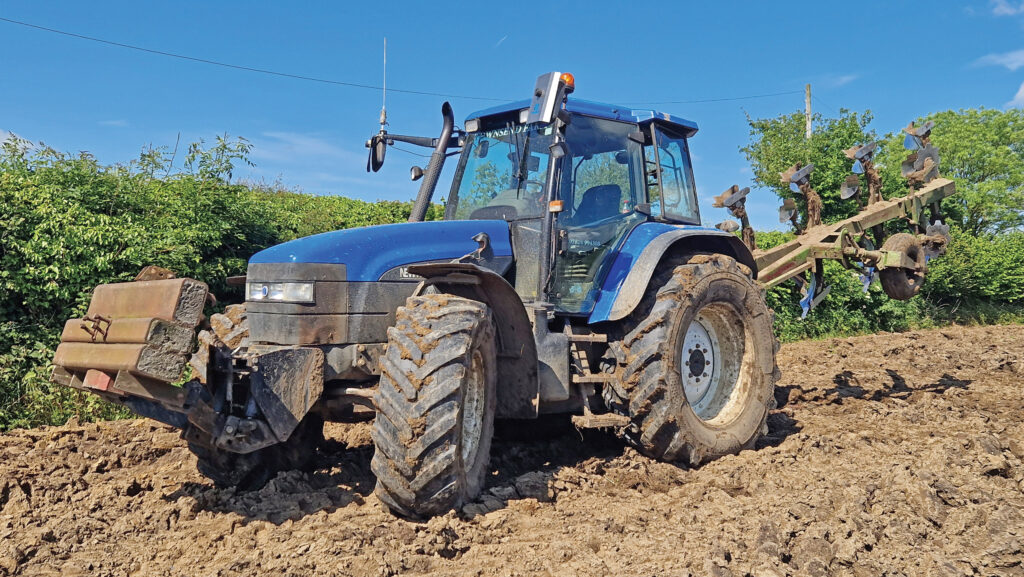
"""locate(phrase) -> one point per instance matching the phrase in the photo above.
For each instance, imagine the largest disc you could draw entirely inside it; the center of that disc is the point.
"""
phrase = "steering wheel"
(528, 183)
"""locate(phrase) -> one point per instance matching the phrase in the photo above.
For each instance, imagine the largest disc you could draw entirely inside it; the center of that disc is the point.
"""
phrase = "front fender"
(519, 388)
(646, 246)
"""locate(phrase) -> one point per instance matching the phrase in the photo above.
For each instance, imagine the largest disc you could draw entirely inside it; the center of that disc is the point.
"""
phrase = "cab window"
(672, 193)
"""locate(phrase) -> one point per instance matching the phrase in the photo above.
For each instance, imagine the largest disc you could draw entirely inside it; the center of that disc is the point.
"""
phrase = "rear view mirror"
(378, 146)
(481, 151)
(532, 163)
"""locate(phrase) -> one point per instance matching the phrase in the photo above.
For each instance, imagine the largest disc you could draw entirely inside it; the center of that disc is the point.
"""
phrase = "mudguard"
(519, 389)
(644, 248)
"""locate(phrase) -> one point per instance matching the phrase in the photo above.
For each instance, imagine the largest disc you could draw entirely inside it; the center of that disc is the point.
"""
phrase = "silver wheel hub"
(700, 365)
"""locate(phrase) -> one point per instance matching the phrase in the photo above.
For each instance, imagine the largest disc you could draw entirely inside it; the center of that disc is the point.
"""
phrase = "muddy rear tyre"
(435, 406)
(899, 283)
(697, 363)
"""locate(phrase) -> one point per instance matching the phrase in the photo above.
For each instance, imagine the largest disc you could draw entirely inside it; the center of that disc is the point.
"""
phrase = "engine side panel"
(369, 252)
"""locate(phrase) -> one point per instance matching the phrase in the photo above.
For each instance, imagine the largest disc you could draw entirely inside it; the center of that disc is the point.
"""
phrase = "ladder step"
(592, 379)
(592, 338)
(605, 421)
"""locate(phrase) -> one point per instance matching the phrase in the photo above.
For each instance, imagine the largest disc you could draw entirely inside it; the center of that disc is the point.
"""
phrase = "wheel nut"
(704, 375)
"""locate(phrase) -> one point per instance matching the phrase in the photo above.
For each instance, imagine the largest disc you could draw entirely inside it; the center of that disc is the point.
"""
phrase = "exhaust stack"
(433, 172)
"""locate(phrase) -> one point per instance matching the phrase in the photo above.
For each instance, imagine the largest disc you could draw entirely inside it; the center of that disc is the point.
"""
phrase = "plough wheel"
(899, 283)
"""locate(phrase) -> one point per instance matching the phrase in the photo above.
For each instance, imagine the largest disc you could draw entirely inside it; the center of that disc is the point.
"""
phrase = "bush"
(69, 223)
(978, 280)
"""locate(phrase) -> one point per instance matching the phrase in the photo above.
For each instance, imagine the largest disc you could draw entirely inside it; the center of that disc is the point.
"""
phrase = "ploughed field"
(895, 454)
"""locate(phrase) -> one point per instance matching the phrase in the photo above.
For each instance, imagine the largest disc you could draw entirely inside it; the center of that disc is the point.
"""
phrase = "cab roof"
(599, 110)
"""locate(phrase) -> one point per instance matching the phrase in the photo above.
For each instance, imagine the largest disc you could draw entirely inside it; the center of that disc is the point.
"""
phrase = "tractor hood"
(369, 252)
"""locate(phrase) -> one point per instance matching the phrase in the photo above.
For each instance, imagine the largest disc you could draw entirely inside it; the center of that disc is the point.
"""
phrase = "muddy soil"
(888, 455)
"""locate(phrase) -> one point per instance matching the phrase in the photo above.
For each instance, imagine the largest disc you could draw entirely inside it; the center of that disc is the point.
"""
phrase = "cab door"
(601, 187)
(669, 175)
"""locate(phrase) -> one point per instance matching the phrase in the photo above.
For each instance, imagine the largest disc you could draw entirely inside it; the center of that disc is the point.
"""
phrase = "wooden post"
(807, 112)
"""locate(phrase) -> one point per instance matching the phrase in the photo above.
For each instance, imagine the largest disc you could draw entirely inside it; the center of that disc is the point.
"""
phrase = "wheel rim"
(710, 360)
(699, 362)
(473, 409)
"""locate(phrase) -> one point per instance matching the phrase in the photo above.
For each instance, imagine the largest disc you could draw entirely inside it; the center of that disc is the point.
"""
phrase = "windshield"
(501, 174)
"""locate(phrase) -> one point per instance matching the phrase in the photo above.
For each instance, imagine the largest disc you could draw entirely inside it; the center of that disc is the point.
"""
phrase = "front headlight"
(287, 292)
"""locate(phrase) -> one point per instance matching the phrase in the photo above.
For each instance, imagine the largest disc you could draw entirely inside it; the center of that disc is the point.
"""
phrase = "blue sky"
(898, 59)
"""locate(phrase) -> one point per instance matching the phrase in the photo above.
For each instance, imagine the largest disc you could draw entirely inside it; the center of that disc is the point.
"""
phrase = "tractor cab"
(618, 168)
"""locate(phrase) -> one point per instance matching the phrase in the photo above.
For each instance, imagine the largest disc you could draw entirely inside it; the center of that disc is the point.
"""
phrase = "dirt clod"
(888, 455)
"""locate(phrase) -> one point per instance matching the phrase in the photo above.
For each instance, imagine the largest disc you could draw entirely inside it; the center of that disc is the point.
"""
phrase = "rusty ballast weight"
(142, 328)
(781, 263)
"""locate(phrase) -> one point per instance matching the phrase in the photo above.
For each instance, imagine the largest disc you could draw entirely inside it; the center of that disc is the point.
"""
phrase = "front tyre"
(435, 405)
(697, 363)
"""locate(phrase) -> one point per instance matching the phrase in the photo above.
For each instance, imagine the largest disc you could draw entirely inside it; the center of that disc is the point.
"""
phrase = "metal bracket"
(96, 325)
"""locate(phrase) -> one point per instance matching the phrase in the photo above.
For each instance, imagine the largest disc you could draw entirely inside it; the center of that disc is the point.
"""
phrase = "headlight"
(288, 292)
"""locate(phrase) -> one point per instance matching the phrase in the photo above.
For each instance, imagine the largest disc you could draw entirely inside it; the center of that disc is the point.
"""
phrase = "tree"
(778, 143)
(982, 150)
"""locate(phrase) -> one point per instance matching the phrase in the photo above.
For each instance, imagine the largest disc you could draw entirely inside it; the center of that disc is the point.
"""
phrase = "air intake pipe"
(433, 172)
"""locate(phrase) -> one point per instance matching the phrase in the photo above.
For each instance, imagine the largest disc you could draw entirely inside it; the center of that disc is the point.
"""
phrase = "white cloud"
(291, 146)
(844, 80)
(4, 135)
(1007, 8)
(1011, 60)
(121, 123)
(1018, 100)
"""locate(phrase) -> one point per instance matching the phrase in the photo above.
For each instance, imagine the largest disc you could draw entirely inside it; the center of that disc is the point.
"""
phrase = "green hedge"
(68, 223)
(978, 280)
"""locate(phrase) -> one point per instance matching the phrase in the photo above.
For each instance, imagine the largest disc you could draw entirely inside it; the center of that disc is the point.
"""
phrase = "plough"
(901, 260)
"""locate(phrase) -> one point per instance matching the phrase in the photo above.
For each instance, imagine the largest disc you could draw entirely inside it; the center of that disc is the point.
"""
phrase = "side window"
(677, 200)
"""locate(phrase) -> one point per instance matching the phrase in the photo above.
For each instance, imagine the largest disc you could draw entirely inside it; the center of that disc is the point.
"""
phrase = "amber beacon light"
(569, 80)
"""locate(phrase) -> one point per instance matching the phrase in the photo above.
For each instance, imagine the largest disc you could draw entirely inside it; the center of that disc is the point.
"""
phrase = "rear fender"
(519, 389)
(645, 248)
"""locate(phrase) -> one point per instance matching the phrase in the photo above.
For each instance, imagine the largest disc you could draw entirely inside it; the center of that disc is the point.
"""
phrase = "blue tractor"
(570, 275)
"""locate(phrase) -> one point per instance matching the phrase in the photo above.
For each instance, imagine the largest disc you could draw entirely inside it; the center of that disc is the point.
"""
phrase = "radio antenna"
(384, 89)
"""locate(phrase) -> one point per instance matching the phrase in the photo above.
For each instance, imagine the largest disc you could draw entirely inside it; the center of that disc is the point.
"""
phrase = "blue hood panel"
(369, 252)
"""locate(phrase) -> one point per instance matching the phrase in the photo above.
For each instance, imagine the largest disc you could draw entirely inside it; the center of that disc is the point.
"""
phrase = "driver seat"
(599, 202)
